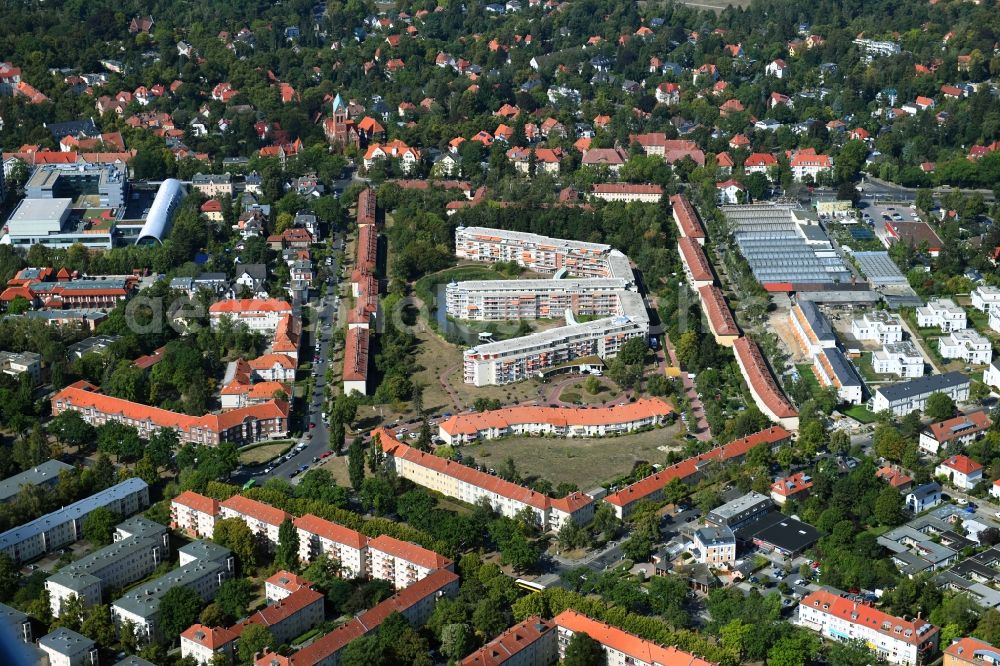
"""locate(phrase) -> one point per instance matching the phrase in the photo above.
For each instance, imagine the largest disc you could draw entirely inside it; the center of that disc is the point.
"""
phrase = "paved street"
(315, 434)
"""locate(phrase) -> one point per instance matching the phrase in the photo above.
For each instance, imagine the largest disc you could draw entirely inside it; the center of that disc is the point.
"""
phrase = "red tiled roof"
(871, 618)
(468, 475)
(249, 305)
(962, 464)
(331, 531)
(257, 510)
(287, 580)
(325, 646)
(356, 355)
(690, 466)
(475, 422)
(509, 643)
(960, 426)
(278, 612)
(759, 376)
(719, 316)
(199, 503)
(967, 648)
(410, 552)
(212, 638)
(695, 259)
(760, 160)
(791, 485)
(630, 645)
(894, 477)
(685, 213)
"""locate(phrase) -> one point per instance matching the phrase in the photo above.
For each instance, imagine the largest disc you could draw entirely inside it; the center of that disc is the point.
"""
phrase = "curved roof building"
(161, 212)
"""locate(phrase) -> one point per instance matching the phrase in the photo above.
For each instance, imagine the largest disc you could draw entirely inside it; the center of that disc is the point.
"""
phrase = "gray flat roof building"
(46, 474)
(62, 527)
(92, 345)
(879, 268)
(740, 511)
(18, 623)
(76, 648)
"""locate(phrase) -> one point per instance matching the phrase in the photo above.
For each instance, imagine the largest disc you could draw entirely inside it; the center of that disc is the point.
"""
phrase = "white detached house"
(776, 68)
(961, 471)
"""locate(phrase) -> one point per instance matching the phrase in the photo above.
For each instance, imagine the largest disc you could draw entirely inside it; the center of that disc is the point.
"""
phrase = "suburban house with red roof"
(960, 471)
(795, 487)
(957, 431)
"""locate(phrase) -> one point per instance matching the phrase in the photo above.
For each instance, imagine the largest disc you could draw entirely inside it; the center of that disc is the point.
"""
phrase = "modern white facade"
(879, 325)
(967, 344)
(517, 359)
(942, 313)
(832, 368)
(901, 399)
(986, 298)
(898, 358)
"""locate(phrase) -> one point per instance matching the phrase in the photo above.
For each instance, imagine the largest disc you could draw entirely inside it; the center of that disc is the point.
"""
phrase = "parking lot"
(876, 215)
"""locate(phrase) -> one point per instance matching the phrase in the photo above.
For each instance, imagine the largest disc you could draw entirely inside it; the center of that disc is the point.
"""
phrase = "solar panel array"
(879, 268)
(774, 244)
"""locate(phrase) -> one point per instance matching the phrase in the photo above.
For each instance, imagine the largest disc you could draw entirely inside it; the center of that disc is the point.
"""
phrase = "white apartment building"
(903, 398)
(402, 563)
(986, 298)
(880, 325)
(994, 321)
(942, 313)
(967, 344)
(832, 368)
(213, 185)
(811, 327)
(259, 315)
(65, 647)
(532, 251)
(318, 536)
(506, 300)
(16, 364)
(897, 640)
(620, 647)
(514, 360)
(714, 546)
(263, 519)
(898, 358)
(203, 567)
(992, 375)
(140, 545)
(194, 514)
(65, 526)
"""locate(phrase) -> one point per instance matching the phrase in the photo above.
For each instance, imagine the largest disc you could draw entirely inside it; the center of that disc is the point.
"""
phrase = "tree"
(9, 577)
(456, 640)
(179, 608)
(518, 553)
(852, 653)
(924, 200)
(364, 651)
(233, 598)
(356, 464)
(234, 534)
(70, 429)
(99, 526)
(287, 555)
(99, 626)
(582, 650)
(888, 508)
(940, 407)
(213, 616)
(571, 536)
(253, 640)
